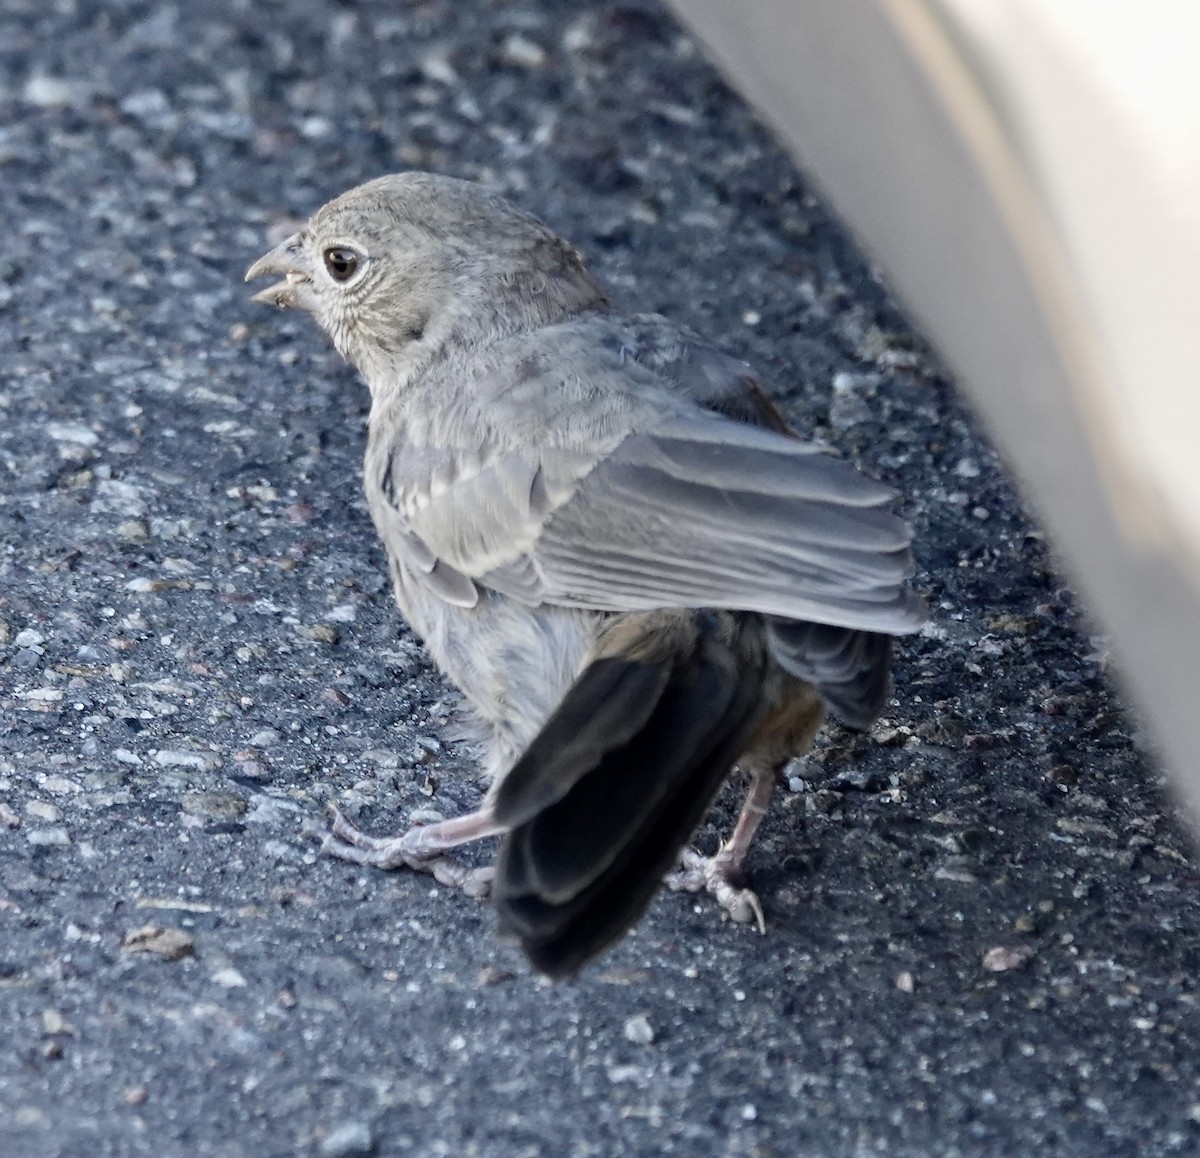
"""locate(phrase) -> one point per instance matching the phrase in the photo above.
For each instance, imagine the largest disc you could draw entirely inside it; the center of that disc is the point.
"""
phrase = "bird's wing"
(699, 512)
(850, 669)
(711, 378)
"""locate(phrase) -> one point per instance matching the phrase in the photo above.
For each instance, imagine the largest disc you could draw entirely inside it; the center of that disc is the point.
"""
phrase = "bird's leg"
(421, 847)
(721, 873)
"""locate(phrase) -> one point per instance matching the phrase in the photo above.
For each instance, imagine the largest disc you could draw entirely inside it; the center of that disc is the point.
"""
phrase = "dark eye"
(341, 261)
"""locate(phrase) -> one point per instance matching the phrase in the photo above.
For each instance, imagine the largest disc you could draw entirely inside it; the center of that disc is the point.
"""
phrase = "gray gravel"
(983, 918)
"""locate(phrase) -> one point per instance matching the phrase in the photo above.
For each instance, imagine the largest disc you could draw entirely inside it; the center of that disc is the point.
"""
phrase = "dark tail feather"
(615, 784)
(850, 669)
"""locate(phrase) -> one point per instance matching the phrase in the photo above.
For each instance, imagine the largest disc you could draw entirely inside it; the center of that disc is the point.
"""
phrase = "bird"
(638, 576)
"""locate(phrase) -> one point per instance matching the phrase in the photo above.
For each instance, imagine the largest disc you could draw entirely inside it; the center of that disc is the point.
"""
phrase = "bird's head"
(410, 261)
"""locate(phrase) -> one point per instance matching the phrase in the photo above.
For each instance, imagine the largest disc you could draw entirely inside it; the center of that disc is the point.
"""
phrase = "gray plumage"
(541, 466)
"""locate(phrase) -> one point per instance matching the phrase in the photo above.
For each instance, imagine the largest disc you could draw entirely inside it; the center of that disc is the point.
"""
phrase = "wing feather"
(730, 517)
(693, 509)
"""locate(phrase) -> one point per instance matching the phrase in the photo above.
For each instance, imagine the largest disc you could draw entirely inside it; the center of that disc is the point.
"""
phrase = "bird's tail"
(608, 793)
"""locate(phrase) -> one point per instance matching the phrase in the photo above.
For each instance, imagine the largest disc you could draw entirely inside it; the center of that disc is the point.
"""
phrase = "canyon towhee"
(608, 539)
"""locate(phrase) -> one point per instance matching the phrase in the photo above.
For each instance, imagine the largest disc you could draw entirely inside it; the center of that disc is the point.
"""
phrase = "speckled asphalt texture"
(984, 930)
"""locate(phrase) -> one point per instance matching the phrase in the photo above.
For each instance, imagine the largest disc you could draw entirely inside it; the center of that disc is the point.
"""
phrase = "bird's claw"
(348, 842)
(717, 875)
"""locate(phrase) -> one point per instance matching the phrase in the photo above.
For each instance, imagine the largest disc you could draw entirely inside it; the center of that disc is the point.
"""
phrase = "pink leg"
(419, 848)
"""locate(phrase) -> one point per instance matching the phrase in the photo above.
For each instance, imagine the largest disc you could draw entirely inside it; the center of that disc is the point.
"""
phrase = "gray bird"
(608, 539)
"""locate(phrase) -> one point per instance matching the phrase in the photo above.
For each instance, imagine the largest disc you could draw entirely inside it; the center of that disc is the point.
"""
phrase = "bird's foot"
(718, 875)
(412, 849)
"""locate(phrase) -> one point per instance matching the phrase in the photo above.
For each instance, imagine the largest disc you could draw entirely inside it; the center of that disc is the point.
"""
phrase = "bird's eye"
(341, 262)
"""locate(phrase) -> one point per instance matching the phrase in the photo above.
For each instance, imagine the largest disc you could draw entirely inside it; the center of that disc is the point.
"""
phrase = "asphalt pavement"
(983, 923)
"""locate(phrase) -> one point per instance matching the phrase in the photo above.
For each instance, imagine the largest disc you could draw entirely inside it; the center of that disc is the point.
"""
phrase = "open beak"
(287, 260)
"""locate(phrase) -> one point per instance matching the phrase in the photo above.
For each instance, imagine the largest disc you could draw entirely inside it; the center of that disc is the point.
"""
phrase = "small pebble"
(176, 758)
(136, 1095)
(320, 633)
(54, 1022)
(520, 50)
(41, 810)
(1002, 958)
(144, 585)
(133, 531)
(349, 1140)
(169, 944)
(437, 67)
(60, 785)
(490, 975)
(250, 765)
(42, 699)
(48, 837)
(638, 1030)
